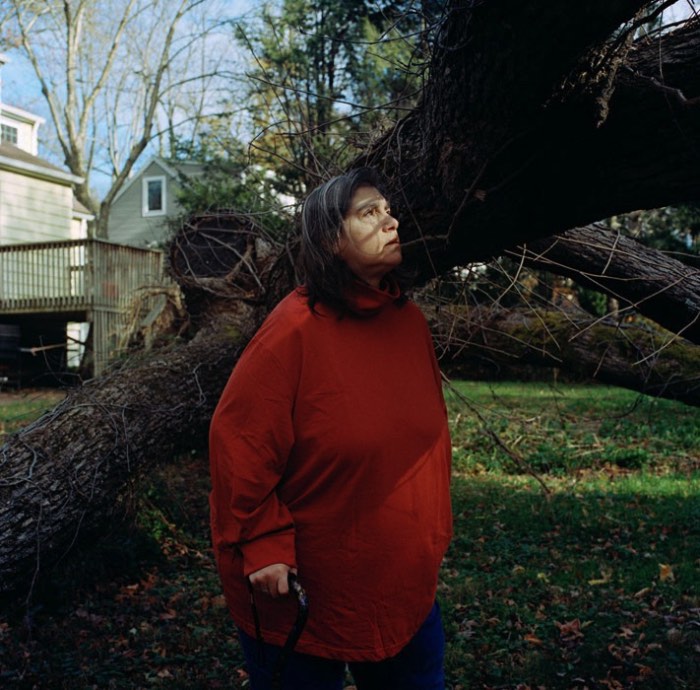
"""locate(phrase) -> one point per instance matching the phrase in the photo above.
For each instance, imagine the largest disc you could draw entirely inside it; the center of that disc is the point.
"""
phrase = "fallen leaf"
(606, 576)
(219, 601)
(666, 573)
(570, 631)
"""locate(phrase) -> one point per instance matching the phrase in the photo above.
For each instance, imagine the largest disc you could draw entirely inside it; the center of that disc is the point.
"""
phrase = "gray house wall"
(127, 223)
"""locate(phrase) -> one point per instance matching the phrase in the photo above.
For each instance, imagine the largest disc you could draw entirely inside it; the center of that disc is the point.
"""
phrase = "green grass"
(20, 408)
(591, 583)
(565, 429)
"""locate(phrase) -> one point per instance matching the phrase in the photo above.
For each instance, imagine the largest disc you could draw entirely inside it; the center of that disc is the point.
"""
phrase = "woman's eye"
(375, 211)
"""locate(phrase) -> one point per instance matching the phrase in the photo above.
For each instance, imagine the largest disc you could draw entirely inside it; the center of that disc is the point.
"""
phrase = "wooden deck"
(87, 280)
(74, 275)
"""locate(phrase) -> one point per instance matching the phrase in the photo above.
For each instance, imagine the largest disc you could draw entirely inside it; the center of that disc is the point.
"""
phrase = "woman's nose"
(390, 223)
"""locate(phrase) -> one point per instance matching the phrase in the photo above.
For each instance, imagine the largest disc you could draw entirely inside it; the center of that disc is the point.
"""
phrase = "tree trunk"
(632, 355)
(646, 280)
(66, 472)
(512, 143)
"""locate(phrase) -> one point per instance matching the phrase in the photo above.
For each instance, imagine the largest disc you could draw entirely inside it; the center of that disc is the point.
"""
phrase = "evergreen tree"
(325, 74)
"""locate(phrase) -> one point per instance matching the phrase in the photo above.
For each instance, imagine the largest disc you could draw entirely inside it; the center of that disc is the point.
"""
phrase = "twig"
(515, 457)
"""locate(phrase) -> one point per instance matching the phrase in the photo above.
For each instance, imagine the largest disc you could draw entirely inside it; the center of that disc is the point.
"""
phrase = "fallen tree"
(643, 279)
(634, 355)
(509, 144)
(512, 143)
(67, 472)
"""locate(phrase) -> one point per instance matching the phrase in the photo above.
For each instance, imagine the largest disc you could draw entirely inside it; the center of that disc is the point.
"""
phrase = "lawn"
(575, 562)
(17, 409)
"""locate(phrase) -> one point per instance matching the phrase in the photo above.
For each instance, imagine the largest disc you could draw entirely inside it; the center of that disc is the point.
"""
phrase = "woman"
(330, 457)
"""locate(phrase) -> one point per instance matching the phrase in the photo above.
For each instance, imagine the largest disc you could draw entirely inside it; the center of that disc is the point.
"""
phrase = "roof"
(21, 161)
(81, 210)
(15, 113)
(170, 168)
(77, 206)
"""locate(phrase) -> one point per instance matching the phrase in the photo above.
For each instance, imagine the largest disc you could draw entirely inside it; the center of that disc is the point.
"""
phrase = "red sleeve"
(250, 440)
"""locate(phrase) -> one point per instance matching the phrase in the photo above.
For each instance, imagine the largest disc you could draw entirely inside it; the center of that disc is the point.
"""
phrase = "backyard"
(575, 561)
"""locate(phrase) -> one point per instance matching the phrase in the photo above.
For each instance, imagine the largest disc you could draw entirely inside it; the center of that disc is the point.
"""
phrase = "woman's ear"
(341, 241)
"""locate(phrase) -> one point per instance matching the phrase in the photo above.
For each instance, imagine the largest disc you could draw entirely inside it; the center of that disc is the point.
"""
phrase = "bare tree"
(116, 74)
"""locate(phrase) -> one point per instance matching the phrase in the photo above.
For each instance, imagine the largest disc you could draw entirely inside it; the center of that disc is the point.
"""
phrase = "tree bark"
(67, 472)
(506, 150)
(637, 356)
(646, 280)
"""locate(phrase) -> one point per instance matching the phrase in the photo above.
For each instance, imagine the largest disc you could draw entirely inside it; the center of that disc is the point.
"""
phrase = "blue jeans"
(418, 666)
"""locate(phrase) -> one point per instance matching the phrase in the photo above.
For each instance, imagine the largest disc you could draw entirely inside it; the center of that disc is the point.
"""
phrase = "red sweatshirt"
(330, 452)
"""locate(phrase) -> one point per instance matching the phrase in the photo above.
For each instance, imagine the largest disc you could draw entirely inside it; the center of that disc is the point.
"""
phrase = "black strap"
(295, 633)
(256, 619)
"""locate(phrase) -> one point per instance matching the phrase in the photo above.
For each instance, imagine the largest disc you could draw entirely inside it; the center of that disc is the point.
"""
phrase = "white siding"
(78, 228)
(33, 210)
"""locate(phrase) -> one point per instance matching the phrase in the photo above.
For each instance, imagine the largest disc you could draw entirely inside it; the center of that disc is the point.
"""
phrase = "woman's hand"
(272, 580)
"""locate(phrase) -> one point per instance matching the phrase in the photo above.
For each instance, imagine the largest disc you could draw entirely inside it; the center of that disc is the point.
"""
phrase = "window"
(154, 196)
(9, 134)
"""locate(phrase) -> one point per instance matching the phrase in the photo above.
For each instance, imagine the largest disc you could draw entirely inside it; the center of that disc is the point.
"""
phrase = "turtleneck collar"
(365, 300)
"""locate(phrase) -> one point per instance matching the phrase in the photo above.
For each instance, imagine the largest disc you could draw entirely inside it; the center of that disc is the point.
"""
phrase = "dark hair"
(326, 276)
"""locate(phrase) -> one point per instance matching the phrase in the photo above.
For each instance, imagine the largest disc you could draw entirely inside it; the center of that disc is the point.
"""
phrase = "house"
(36, 202)
(141, 210)
(62, 293)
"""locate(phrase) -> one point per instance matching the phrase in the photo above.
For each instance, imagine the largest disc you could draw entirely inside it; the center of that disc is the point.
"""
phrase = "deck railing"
(74, 275)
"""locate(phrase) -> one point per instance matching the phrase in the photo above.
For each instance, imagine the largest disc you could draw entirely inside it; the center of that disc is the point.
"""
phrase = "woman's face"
(369, 241)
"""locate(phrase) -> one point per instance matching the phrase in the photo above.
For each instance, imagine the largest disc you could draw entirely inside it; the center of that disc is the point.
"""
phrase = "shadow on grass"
(594, 586)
